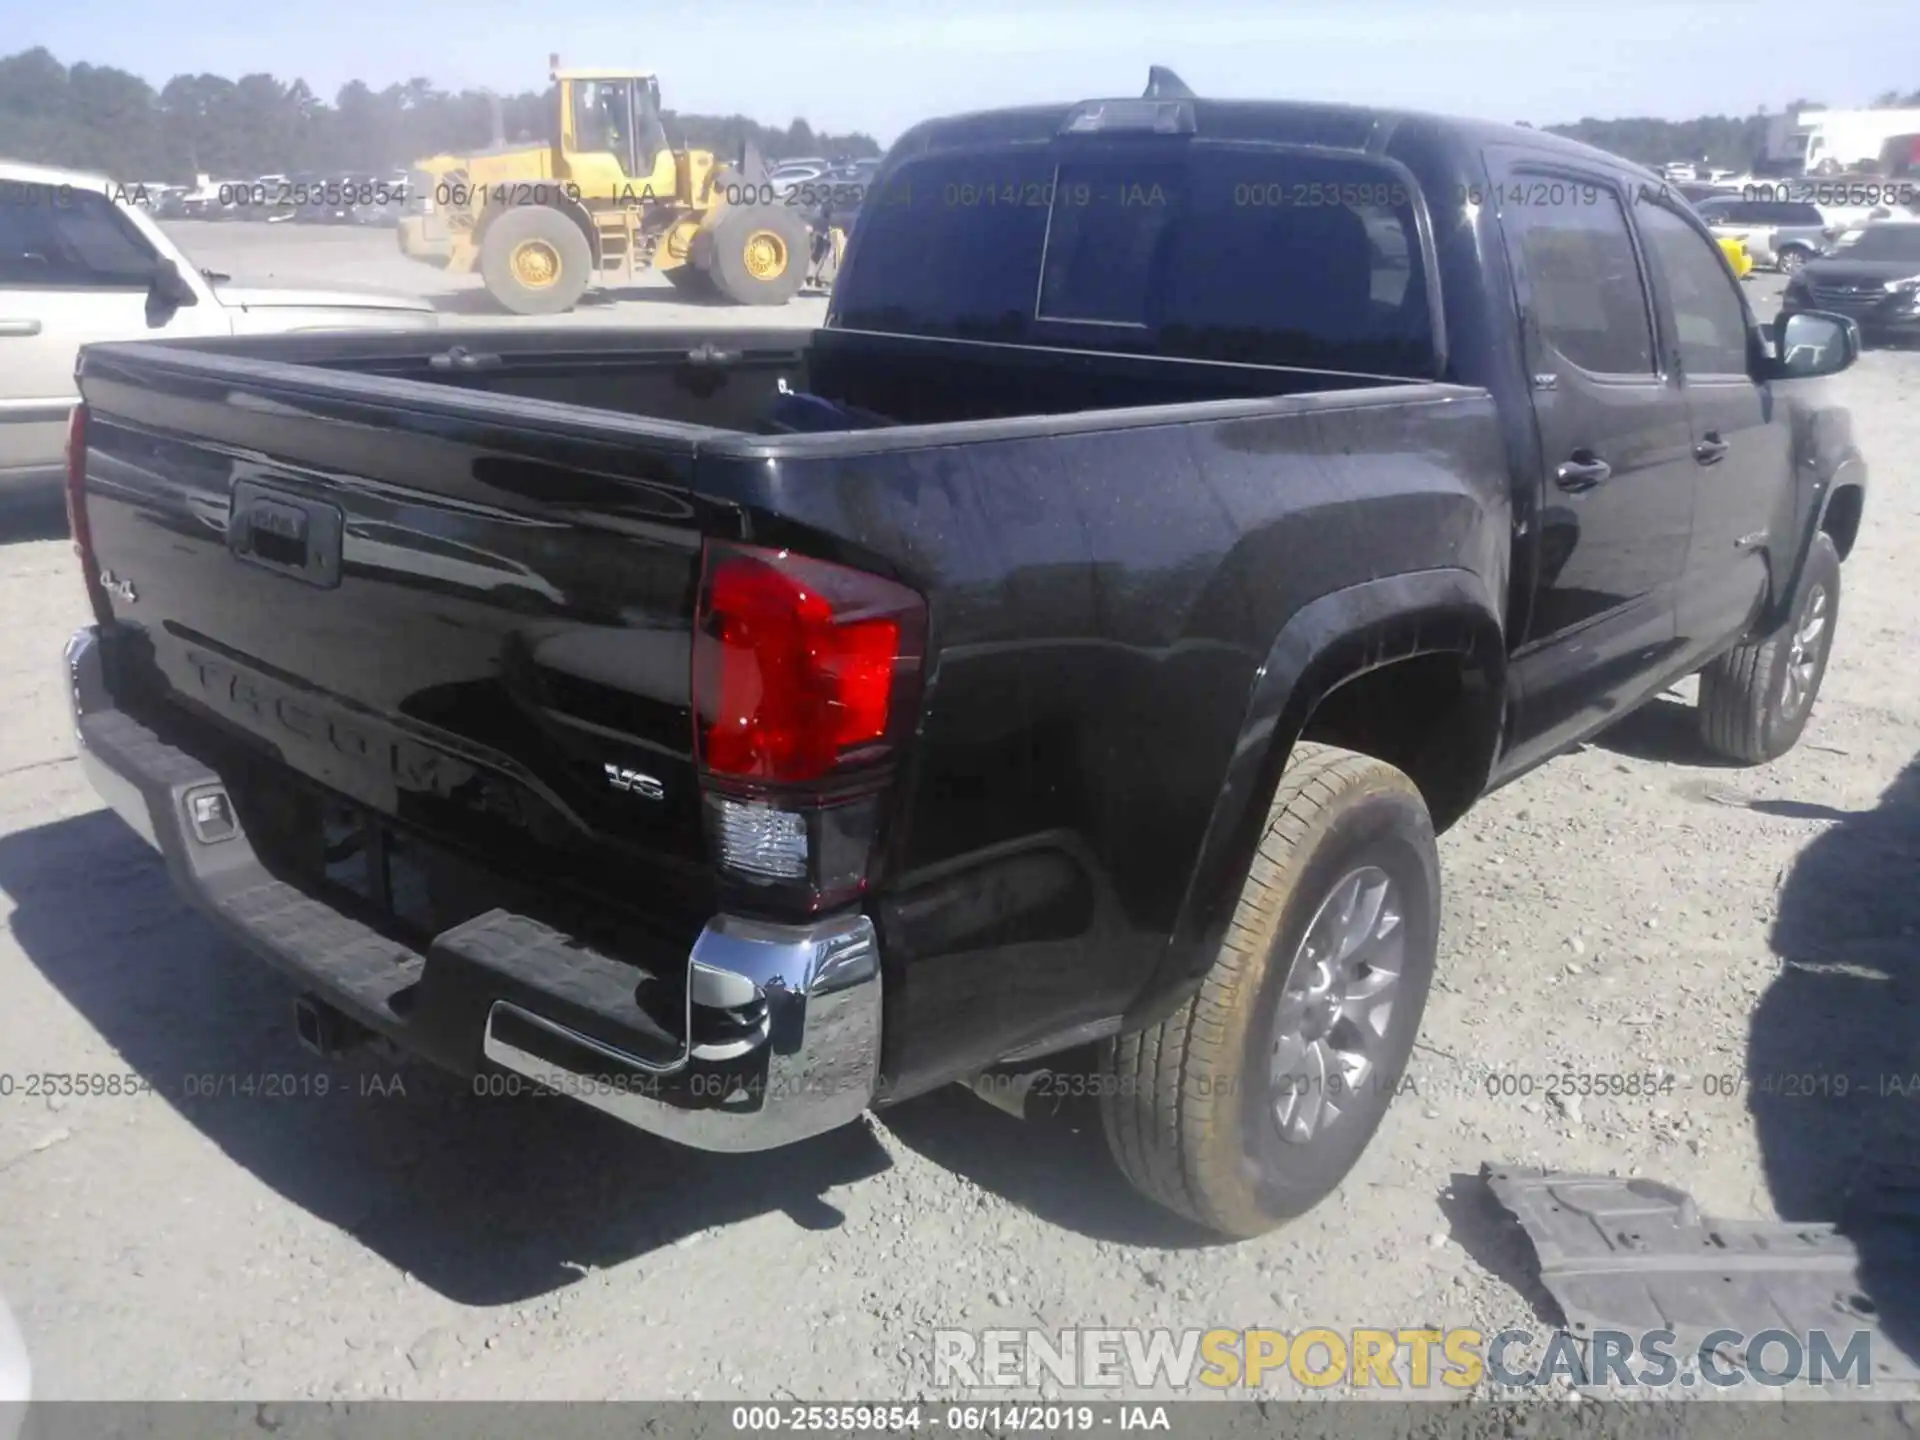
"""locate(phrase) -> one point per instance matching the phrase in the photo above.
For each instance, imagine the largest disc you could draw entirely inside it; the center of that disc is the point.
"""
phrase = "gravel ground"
(259, 254)
(1627, 908)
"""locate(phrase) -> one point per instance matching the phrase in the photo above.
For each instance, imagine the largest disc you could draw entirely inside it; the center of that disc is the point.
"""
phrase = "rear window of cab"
(1205, 251)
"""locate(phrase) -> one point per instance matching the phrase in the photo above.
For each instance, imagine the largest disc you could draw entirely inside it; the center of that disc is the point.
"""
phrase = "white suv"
(79, 264)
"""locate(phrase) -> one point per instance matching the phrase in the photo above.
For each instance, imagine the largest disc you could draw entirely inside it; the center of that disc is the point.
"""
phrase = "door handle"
(19, 327)
(1582, 471)
(1711, 449)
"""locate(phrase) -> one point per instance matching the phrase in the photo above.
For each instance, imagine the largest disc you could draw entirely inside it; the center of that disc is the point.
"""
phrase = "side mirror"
(1813, 342)
(168, 291)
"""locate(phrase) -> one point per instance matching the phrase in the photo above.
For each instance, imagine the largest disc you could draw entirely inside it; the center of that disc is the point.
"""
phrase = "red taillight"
(77, 523)
(801, 668)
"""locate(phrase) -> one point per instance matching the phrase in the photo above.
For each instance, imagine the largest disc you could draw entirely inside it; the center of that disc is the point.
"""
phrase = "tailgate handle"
(20, 328)
(286, 533)
(707, 355)
(461, 358)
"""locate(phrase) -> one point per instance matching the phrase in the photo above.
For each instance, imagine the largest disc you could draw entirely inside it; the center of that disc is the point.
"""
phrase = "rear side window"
(1586, 295)
(1709, 319)
(950, 247)
(1257, 256)
(71, 238)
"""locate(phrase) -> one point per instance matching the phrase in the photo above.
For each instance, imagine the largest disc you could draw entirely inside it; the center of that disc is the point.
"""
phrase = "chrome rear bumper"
(803, 1056)
(818, 1049)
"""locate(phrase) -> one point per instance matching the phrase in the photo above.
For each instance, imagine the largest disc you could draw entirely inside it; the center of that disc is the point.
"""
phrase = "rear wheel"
(759, 255)
(1249, 1104)
(1756, 699)
(1791, 259)
(536, 261)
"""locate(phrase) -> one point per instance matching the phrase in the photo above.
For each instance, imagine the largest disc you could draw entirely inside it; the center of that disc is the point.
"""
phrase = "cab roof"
(1341, 127)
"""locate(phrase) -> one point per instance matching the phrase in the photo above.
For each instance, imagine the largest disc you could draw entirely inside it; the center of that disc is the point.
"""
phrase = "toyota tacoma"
(1186, 509)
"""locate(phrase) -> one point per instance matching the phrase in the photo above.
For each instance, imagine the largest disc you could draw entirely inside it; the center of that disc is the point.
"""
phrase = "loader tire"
(1249, 1104)
(536, 261)
(1755, 700)
(759, 255)
(691, 281)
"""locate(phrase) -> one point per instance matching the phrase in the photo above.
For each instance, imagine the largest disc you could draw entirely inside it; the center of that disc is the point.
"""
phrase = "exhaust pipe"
(326, 1031)
(1007, 1090)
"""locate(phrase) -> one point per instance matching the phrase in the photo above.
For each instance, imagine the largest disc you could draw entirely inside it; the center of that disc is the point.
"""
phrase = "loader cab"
(612, 141)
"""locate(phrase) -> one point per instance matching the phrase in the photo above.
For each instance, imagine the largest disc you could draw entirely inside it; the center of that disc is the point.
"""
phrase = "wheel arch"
(1832, 501)
(1413, 665)
(564, 204)
(1846, 504)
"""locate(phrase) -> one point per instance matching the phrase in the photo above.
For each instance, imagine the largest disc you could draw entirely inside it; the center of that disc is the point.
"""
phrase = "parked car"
(257, 199)
(832, 199)
(1874, 279)
(77, 268)
(385, 208)
(1780, 234)
(322, 199)
(790, 176)
(1694, 193)
(371, 200)
(1848, 230)
(849, 183)
(1080, 638)
(219, 200)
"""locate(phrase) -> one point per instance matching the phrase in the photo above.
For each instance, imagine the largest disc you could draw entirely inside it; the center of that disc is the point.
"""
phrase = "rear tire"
(759, 255)
(536, 261)
(1220, 1112)
(1755, 700)
(1791, 259)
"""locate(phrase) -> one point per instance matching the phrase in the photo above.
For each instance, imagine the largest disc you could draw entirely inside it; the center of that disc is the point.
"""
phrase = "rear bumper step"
(506, 992)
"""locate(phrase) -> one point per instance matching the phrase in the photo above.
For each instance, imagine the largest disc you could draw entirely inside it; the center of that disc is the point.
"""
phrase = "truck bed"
(519, 528)
(731, 379)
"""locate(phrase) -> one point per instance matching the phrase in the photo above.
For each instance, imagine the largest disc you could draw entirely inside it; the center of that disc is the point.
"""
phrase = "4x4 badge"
(634, 783)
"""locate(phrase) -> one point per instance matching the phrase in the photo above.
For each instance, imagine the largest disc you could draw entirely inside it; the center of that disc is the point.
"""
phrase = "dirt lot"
(258, 254)
(1628, 907)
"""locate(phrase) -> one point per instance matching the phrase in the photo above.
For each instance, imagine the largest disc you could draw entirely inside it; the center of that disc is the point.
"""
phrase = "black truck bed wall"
(1104, 590)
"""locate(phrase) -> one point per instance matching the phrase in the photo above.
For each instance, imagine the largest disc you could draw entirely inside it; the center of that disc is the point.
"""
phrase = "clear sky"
(881, 65)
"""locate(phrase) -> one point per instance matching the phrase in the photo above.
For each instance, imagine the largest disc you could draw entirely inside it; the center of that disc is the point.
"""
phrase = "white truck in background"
(78, 265)
(1833, 142)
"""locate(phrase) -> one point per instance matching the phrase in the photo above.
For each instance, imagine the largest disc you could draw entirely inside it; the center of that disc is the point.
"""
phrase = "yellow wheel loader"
(606, 199)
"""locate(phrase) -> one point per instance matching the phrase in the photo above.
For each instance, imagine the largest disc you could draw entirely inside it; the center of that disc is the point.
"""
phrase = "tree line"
(94, 117)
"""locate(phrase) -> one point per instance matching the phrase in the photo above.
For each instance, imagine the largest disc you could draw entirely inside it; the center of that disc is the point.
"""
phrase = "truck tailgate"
(475, 630)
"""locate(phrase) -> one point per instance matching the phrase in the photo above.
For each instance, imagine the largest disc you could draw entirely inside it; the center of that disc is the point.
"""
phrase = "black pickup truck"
(1186, 510)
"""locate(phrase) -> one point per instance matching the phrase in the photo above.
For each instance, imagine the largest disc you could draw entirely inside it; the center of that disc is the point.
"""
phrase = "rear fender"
(1328, 643)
